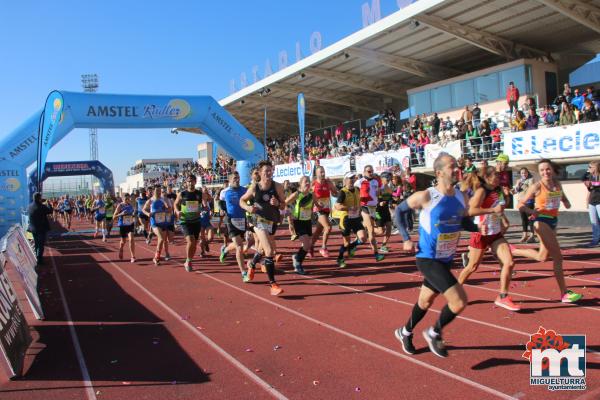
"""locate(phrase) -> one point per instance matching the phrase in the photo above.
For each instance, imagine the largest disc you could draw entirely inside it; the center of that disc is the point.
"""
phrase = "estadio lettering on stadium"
(561, 142)
(293, 172)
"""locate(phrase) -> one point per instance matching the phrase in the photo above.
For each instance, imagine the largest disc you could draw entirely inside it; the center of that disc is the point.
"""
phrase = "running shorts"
(303, 227)
(436, 274)
(482, 242)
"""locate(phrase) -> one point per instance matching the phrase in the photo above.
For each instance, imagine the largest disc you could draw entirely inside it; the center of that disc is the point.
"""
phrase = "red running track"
(162, 333)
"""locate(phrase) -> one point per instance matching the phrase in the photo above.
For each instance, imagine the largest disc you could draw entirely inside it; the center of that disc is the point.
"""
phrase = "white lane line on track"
(377, 346)
(86, 379)
(246, 371)
(488, 324)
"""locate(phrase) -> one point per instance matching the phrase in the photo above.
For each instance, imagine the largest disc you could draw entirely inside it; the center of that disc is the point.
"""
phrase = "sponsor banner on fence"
(578, 140)
(336, 166)
(14, 332)
(432, 151)
(293, 172)
(384, 160)
(21, 256)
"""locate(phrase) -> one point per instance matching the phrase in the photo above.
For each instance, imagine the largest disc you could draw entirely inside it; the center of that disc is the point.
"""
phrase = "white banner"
(561, 142)
(293, 172)
(384, 160)
(335, 167)
(432, 151)
(23, 259)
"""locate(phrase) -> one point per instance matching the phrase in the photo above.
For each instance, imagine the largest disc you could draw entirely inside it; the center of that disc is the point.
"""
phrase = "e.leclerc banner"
(14, 332)
(383, 161)
(52, 117)
(301, 112)
(579, 140)
(293, 172)
(22, 258)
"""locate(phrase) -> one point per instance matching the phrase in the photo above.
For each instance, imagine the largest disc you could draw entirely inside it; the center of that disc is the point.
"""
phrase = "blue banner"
(52, 116)
(301, 112)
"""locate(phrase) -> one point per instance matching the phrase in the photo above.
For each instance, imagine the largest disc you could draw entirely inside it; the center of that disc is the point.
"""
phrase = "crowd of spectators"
(208, 174)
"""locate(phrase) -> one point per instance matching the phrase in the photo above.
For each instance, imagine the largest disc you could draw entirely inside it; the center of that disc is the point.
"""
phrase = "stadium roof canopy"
(428, 41)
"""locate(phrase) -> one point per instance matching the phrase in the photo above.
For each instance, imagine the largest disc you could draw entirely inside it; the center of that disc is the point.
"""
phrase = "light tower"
(89, 82)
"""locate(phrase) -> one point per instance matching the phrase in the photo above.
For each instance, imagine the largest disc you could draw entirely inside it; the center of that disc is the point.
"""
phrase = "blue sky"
(150, 47)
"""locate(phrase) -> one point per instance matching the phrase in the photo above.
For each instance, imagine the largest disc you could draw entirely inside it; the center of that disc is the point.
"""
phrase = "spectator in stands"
(529, 105)
(567, 92)
(512, 97)
(467, 115)
(39, 225)
(496, 141)
(422, 142)
(469, 166)
(518, 124)
(486, 137)
(567, 116)
(473, 140)
(589, 93)
(476, 115)
(449, 124)
(577, 100)
(588, 112)
(505, 177)
(533, 120)
(435, 125)
(550, 119)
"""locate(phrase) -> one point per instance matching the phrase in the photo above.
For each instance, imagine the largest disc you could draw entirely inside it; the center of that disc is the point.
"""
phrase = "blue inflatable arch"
(18, 150)
(74, 168)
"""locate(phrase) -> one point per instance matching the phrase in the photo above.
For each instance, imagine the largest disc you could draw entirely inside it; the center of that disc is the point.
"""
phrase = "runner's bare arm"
(564, 198)
(529, 195)
(280, 195)
(146, 208)
(475, 205)
(177, 205)
(246, 197)
(333, 189)
(291, 198)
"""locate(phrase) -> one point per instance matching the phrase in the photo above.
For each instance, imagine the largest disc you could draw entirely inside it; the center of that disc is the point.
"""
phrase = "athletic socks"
(446, 316)
(354, 244)
(301, 254)
(342, 251)
(503, 295)
(270, 266)
(256, 258)
(146, 234)
(417, 315)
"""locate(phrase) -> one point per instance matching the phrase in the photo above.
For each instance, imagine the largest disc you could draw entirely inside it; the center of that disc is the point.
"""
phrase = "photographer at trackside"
(39, 225)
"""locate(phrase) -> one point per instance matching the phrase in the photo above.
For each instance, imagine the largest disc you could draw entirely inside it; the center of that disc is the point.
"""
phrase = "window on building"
(422, 102)
(463, 93)
(574, 172)
(441, 98)
(487, 88)
(516, 75)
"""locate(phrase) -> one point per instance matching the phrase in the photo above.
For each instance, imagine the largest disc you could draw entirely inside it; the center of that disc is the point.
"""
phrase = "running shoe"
(149, 240)
(120, 253)
(223, 254)
(275, 289)
(384, 249)
(250, 272)
(295, 262)
(507, 303)
(294, 237)
(324, 252)
(571, 297)
(156, 259)
(167, 257)
(406, 341)
(95, 234)
(395, 232)
(436, 344)
(104, 239)
(187, 265)
(465, 259)
(133, 260)
(245, 277)
(591, 244)
(278, 257)
(341, 263)
(379, 257)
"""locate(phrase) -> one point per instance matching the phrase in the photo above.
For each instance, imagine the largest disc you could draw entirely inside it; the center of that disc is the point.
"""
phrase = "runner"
(67, 208)
(99, 216)
(251, 238)
(487, 195)
(303, 201)
(125, 221)
(547, 194)
(206, 227)
(80, 207)
(369, 186)
(268, 200)
(141, 217)
(110, 210)
(170, 198)
(383, 217)
(187, 209)
(235, 221)
(89, 204)
(158, 212)
(287, 191)
(322, 189)
(348, 210)
(442, 211)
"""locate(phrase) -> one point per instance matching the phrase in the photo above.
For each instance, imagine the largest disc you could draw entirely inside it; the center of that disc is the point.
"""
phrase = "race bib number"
(446, 245)
(160, 217)
(239, 223)
(127, 220)
(492, 225)
(305, 214)
(265, 224)
(353, 213)
(553, 200)
(101, 210)
(192, 206)
(324, 203)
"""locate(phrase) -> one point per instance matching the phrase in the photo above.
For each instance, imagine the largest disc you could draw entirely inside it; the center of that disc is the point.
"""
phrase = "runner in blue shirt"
(441, 221)
(158, 211)
(235, 218)
(124, 213)
(99, 210)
